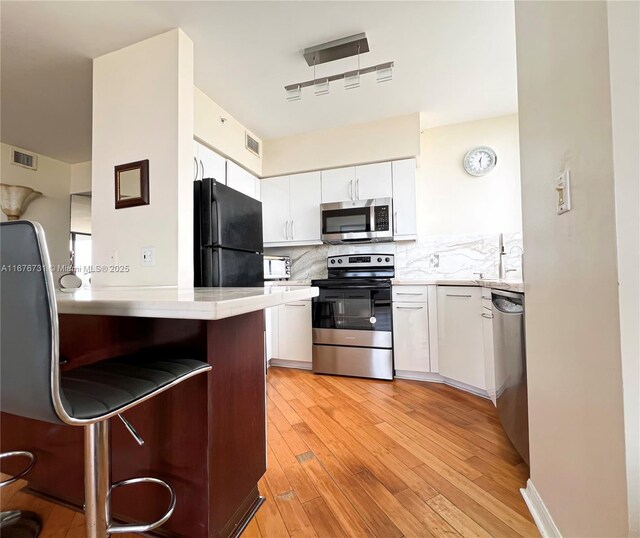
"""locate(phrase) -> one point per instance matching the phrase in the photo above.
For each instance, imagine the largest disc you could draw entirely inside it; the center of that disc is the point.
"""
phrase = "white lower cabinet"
(461, 335)
(294, 334)
(411, 339)
(487, 337)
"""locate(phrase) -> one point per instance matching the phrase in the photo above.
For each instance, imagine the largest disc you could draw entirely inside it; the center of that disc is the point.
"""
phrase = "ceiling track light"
(383, 73)
(335, 50)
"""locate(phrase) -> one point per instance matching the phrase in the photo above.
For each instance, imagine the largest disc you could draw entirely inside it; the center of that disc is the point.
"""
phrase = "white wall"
(624, 48)
(143, 109)
(450, 201)
(384, 140)
(226, 137)
(52, 209)
(573, 332)
(81, 177)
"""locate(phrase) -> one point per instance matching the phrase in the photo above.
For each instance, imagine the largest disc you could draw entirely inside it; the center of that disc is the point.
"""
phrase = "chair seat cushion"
(101, 388)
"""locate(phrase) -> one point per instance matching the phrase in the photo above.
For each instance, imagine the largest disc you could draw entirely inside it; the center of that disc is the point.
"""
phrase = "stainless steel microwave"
(360, 221)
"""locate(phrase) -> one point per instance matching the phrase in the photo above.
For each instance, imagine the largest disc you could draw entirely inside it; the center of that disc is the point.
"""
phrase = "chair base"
(19, 524)
(98, 488)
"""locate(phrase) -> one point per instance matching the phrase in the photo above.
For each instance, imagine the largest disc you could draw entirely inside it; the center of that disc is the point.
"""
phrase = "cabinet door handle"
(357, 189)
(351, 189)
(395, 222)
(293, 230)
(487, 316)
(202, 166)
(410, 293)
(195, 161)
(286, 229)
(453, 295)
(293, 304)
(410, 307)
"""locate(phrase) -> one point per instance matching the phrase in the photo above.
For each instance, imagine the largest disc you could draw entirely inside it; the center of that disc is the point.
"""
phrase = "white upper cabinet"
(373, 181)
(338, 185)
(241, 180)
(404, 200)
(210, 164)
(304, 199)
(275, 209)
(291, 209)
(460, 335)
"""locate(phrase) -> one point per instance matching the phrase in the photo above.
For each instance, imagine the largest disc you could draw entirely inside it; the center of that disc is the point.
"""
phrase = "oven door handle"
(357, 287)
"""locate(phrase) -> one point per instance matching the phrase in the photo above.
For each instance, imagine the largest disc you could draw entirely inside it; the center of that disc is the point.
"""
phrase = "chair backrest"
(29, 373)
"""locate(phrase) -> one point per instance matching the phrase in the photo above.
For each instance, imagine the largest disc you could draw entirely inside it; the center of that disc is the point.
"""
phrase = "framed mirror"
(132, 184)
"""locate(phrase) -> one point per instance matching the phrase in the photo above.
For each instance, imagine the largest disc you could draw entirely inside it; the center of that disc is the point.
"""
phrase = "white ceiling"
(455, 61)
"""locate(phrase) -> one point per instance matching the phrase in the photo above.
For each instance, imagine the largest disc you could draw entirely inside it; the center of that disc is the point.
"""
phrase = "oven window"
(351, 220)
(353, 309)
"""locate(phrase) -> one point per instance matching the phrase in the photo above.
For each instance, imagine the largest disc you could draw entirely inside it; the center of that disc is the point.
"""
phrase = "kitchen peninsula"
(207, 436)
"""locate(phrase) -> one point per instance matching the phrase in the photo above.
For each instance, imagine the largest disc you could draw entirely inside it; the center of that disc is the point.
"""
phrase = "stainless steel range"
(352, 327)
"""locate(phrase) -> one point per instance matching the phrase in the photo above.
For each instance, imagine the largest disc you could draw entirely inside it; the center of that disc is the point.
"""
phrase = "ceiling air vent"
(252, 144)
(26, 160)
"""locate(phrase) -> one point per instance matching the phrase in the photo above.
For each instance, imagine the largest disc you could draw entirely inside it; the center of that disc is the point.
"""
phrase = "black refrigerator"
(227, 237)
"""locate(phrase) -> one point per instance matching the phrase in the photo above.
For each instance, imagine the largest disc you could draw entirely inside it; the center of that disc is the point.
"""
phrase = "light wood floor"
(351, 457)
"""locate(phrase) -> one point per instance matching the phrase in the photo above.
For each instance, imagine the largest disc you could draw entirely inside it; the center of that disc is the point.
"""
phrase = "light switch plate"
(148, 256)
(563, 192)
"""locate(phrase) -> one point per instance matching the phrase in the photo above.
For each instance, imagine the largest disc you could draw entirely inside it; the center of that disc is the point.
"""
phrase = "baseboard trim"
(300, 365)
(539, 512)
(437, 378)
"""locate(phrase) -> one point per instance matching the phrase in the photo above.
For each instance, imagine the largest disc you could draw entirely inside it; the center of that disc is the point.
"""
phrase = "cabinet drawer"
(410, 294)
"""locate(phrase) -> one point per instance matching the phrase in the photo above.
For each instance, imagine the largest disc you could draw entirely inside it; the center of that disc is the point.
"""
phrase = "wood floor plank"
(269, 520)
(479, 514)
(456, 518)
(390, 505)
(343, 510)
(322, 519)
(420, 509)
(294, 516)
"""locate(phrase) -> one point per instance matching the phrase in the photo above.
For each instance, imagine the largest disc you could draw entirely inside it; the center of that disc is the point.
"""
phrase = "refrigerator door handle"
(206, 213)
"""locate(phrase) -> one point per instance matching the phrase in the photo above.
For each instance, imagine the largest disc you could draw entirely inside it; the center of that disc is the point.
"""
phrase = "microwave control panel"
(381, 216)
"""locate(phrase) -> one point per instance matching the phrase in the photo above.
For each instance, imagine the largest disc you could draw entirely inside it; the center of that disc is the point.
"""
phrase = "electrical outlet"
(434, 260)
(148, 256)
(563, 190)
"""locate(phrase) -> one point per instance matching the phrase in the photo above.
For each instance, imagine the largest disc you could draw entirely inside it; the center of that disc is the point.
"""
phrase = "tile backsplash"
(457, 256)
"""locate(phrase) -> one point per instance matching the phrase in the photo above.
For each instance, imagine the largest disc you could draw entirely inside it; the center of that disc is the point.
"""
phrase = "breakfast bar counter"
(206, 436)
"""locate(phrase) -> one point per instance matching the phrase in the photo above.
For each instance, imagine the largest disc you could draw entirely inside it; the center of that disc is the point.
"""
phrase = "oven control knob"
(333, 261)
(340, 261)
(379, 260)
(387, 260)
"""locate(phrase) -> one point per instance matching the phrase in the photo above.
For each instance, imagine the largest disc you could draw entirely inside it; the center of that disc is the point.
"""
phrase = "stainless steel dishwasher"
(511, 367)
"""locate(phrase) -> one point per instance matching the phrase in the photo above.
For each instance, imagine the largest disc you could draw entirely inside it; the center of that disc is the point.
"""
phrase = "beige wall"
(384, 140)
(143, 109)
(81, 177)
(226, 137)
(624, 48)
(573, 332)
(52, 209)
(450, 201)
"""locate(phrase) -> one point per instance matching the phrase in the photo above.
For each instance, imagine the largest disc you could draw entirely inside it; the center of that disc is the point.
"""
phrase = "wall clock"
(480, 160)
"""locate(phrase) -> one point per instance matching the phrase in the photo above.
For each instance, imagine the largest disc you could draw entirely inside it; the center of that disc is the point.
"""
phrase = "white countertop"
(506, 285)
(179, 303)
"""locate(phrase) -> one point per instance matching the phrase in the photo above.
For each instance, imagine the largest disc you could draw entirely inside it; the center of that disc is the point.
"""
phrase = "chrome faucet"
(480, 275)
